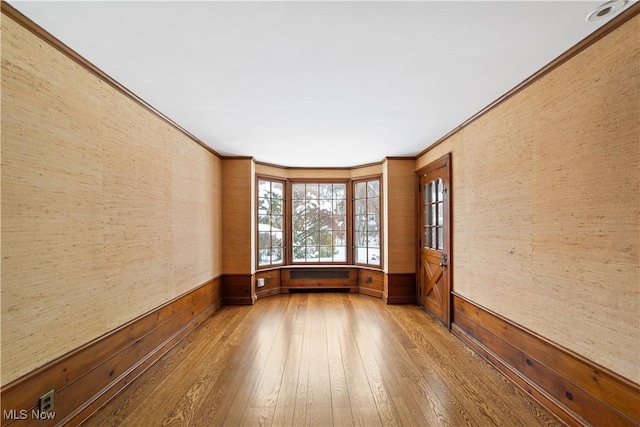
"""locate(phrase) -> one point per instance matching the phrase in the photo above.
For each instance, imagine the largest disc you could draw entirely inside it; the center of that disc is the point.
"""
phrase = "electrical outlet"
(260, 282)
(46, 402)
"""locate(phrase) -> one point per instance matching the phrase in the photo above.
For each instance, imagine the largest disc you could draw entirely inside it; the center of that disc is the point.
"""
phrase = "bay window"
(318, 222)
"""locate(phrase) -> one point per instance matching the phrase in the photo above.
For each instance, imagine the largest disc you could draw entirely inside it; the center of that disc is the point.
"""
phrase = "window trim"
(285, 226)
(287, 259)
(381, 214)
(348, 214)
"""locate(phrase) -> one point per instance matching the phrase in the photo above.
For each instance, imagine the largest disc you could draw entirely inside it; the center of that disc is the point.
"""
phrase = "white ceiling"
(327, 83)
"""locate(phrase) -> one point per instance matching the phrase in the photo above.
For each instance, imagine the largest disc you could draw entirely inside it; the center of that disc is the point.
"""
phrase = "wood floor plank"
(285, 404)
(363, 406)
(417, 388)
(133, 397)
(340, 400)
(377, 383)
(485, 394)
(321, 359)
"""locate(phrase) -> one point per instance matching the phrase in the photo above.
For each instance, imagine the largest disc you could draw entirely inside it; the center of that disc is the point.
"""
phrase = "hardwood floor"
(321, 359)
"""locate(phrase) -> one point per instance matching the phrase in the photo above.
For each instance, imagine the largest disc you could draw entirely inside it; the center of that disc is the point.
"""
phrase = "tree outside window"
(319, 222)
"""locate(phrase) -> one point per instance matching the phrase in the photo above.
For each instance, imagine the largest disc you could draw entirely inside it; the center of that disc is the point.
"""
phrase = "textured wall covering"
(546, 204)
(400, 208)
(107, 210)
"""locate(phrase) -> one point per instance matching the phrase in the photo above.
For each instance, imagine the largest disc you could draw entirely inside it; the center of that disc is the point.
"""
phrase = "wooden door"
(434, 278)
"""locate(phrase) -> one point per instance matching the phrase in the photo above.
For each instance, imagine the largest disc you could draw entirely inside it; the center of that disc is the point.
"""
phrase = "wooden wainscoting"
(400, 288)
(574, 388)
(238, 289)
(271, 283)
(88, 377)
(320, 277)
(371, 282)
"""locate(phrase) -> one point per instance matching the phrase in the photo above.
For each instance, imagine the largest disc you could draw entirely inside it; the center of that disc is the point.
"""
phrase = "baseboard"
(575, 389)
(237, 289)
(267, 292)
(370, 292)
(400, 288)
(88, 377)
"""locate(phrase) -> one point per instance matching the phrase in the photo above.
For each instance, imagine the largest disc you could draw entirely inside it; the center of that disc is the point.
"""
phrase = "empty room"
(327, 213)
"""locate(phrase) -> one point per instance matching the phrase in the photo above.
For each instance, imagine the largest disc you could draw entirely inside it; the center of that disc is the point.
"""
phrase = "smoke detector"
(606, 10)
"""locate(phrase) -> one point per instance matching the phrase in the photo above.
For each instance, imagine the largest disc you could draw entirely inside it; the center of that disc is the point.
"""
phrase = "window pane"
(311, 238)
(340, 254)
(277, 190)
(373, 223)
(263, 220)
(276, 223)
(374, 256)
(326, 191)
(264, 240)
(340, 222)
(373, 189)
(440, 237)
(440, 213)
(374, 240)
(433, 238)
(360, 207)
(311, 191)
(325, 237)
(276, 256)
(264, 188)
(339, 206)
(373, 206)
(361, 239)
(276, 239)
(427, 219)
(339, 191)
(432, 186)
(299, 238)
(325, 221)
(299, 252)
(298, 191)
(427, 237)
(361, 190)
(276, 206)
(313, 254)
(264, 257)
(439, 189)
(361, 255)
(326, 253)
(434, 215)
(263, 206)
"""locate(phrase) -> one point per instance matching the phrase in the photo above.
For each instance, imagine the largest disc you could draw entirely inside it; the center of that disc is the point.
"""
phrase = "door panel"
(434, 279)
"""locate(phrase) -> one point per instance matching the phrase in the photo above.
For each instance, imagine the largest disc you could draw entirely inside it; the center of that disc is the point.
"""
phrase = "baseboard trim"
(267, 292)
(370, 292)
(399, 288)
(88, 377)
(575, 389)
(237, 289)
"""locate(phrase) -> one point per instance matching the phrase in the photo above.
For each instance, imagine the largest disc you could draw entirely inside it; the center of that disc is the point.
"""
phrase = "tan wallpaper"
(546, 202)
(400, 218)
(107, 211)
(238, 216)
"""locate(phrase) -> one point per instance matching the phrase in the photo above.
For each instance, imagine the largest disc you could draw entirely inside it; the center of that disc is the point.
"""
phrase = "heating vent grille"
(319, 274)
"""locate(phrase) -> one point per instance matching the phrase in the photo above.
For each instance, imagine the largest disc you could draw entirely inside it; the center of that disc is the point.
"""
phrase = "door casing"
(444, 164)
